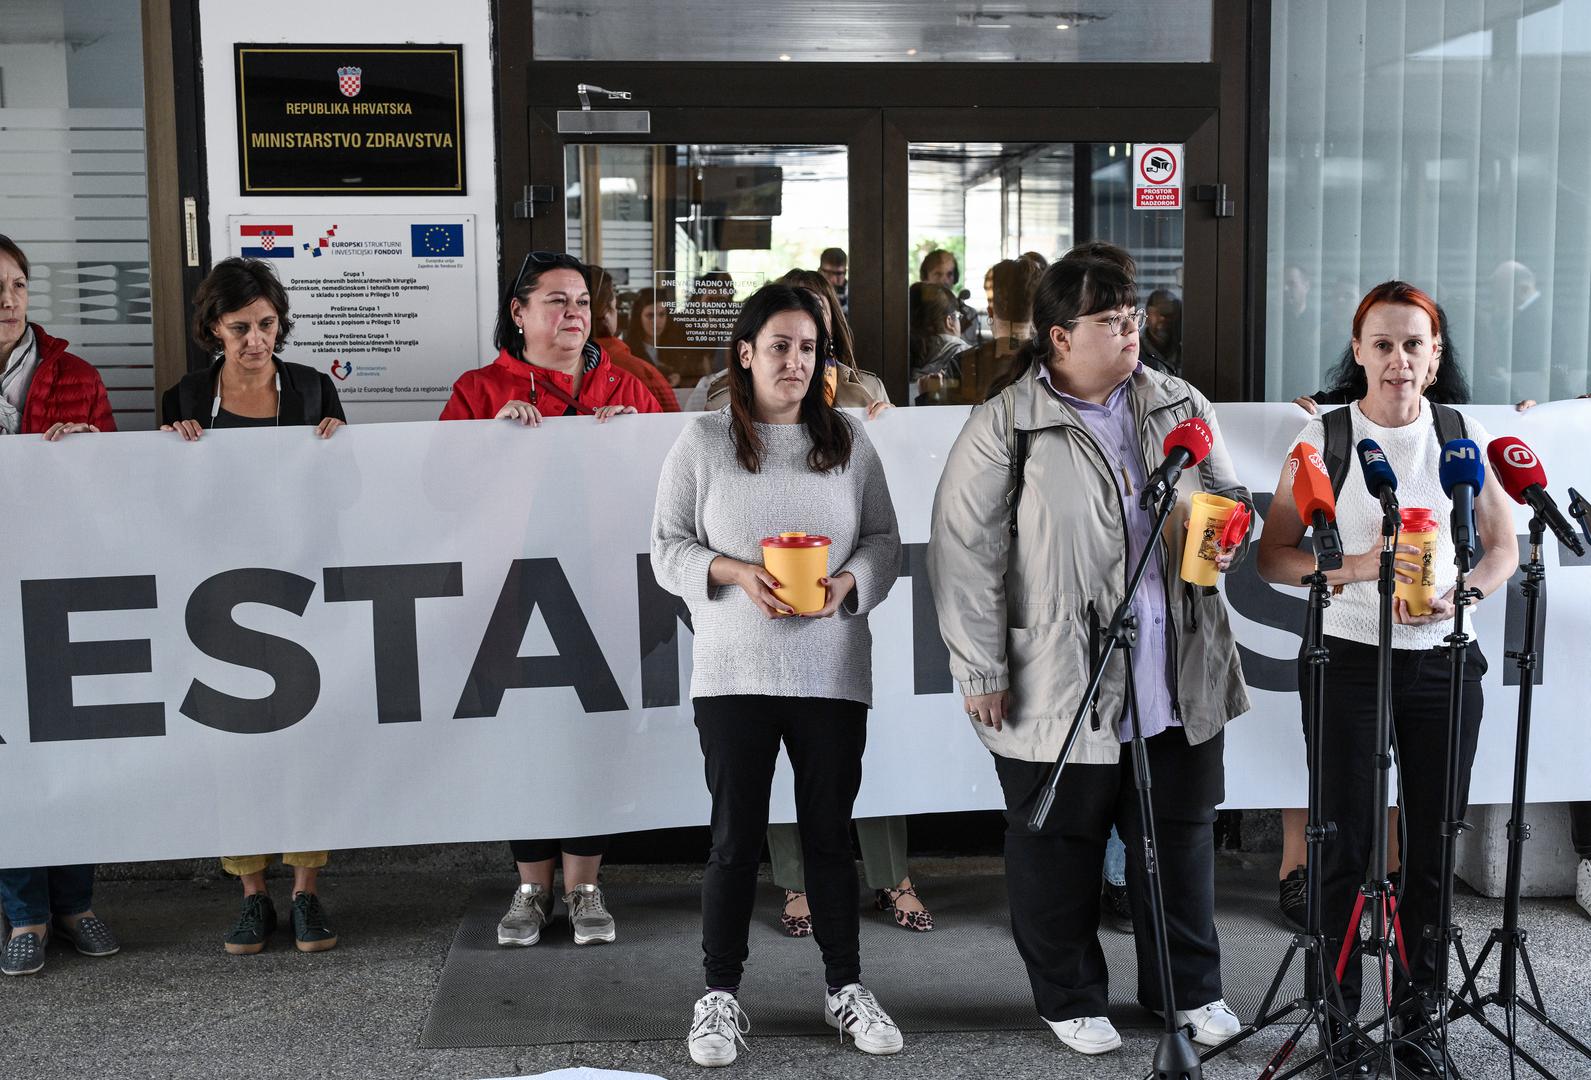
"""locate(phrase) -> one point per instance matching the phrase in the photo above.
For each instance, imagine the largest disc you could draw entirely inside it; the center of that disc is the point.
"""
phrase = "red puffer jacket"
(478, 394)
(65, 390)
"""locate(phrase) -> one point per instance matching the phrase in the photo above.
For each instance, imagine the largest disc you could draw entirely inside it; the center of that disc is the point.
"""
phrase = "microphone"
(1462, 478)
(1580, 510)
(1316, 503)
(1380, 480)
(1521, 474)
(1186, 444)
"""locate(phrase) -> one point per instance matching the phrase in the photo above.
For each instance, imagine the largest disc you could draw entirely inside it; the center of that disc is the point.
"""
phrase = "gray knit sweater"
(707, 505)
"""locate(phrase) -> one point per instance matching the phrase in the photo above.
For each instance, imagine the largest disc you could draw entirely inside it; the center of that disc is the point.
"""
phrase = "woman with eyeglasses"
(1024, 588)
(547, 366)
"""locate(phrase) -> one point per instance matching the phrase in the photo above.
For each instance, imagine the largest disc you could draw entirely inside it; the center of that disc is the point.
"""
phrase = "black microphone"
(1580, 510)
(1186, 444)
(1380, 480)
(1462, 476)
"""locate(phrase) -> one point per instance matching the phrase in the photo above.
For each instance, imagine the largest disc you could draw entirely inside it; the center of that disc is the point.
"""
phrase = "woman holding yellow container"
(1397, 351)
(1025, 577)
(782, 652)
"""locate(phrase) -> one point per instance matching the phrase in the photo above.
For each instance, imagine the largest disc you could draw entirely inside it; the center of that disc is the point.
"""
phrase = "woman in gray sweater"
(777, 459)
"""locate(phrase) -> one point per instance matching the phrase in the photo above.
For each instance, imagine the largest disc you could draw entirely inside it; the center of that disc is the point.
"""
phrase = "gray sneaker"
(530, 910)
(589, 915)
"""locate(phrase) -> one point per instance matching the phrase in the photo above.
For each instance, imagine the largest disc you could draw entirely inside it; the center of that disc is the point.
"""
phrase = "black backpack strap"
(1449, 423)
(1016, 445)
(1338, 451)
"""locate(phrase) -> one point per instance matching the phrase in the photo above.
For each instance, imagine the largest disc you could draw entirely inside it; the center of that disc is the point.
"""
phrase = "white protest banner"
(415, 633)
(375, 298)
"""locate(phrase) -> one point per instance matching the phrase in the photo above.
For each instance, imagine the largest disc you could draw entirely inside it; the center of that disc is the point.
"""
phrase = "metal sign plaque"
(350, 119)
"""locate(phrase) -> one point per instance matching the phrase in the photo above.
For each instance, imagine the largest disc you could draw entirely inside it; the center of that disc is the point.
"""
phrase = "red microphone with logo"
(1316, 503)
(1520, 472)
(1186, 444)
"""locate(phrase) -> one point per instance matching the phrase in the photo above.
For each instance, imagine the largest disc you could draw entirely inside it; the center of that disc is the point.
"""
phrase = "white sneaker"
(717, 1025)
(1582, 892)
(1212, 1024)
(1087, 1034)
(854, 1011)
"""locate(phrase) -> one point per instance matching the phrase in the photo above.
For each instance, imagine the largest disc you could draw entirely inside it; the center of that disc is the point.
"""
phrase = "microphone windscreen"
(1373, 461)
(1461, 466)
(1192, 435)
(1516, 466)
(1311, 484)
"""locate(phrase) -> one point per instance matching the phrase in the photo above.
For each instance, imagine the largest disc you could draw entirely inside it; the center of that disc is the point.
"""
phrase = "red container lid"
(796, 540)
(1418, 519)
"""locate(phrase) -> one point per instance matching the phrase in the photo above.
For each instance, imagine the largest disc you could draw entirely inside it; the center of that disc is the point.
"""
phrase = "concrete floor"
(174, 1005)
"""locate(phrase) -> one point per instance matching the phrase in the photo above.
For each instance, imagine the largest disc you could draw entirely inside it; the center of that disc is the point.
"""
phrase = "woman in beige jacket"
(1023, 592)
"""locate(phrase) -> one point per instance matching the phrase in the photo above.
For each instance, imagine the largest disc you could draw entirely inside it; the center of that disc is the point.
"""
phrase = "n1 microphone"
(1520, 473)
(1316, 503)
(1580, 510)
(1380, 480)
(1186, 444)
(1462, 477)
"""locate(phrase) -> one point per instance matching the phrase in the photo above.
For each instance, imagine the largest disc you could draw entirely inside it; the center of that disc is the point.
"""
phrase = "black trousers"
(1420, 727)
(1580, 828)
(1053, 875)
(542, 850)
(740, 737)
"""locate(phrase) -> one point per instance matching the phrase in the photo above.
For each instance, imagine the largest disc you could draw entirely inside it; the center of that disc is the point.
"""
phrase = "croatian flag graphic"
(267, 235)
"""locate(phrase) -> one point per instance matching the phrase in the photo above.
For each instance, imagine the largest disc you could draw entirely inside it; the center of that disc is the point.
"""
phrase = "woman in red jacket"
(45, 390)
(548, 366)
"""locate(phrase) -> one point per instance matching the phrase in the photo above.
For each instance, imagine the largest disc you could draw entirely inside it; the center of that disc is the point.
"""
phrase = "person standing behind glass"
(240, 314)
(1397, 356)
(1020, 610)
(778, 459)
(45, 390)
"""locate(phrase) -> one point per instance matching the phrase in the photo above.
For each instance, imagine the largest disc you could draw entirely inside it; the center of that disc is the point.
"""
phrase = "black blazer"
(307, 397)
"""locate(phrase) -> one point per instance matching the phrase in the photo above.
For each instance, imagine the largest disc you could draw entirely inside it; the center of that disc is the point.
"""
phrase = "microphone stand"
(1509, 939)
(1175, 1058)
(1376, 889)
(1321, 1003)
(1445, 932)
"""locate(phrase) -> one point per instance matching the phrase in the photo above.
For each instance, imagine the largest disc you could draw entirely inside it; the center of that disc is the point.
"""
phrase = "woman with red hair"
(1397, 354)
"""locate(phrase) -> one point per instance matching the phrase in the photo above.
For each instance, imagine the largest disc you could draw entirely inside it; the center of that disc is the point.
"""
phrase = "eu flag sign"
(436, 241)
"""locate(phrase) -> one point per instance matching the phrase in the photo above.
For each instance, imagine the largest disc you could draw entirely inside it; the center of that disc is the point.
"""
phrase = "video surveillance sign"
(1157, 176)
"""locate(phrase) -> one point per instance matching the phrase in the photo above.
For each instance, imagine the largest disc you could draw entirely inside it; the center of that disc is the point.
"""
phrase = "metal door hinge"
(1216, 194)
(533, 194)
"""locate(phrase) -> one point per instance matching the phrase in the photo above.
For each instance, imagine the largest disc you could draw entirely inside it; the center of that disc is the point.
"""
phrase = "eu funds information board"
(375, 298)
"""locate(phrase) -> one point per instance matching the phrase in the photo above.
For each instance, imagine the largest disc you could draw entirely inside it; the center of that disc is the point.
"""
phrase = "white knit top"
(707, 505)
(1415, 456)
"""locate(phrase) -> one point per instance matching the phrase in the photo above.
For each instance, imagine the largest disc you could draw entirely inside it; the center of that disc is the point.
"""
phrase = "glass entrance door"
(685, 232)
(690, 219)
(985, 219)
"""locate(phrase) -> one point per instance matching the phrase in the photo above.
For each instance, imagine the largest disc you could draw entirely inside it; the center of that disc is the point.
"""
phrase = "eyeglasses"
(1118, 323)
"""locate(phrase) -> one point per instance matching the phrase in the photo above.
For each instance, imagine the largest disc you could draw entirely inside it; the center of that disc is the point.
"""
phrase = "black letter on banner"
(392, 591)
(930, 657)
(578, 663)
(661, 613)
(1258, 601)
(51, 658)
(211, 628)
